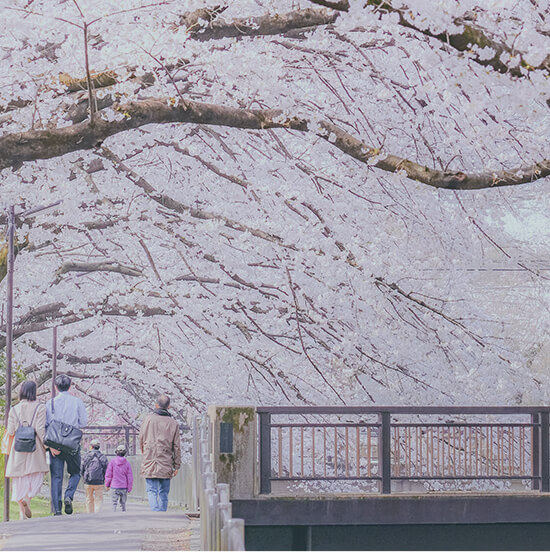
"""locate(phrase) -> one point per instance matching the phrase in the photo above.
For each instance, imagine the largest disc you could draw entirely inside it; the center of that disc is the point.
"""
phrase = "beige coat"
(25, 463)
(159, 441)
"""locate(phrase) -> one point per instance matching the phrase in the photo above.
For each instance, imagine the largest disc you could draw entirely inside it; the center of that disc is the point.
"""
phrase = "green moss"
(228, 459)
(238, 416)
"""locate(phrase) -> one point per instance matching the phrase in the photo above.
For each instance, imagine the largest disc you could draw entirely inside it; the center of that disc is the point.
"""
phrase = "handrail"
(386, 450)
(402, 409)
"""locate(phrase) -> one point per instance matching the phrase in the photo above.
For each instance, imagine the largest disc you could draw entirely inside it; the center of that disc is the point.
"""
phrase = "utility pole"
(9, 326)
(54, 360)
(9, 342)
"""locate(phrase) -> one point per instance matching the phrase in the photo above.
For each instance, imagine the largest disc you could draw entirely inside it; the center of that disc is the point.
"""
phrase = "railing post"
(544, 453)
(127, 438)
(265, 452)
(535, 452)
(384, 452)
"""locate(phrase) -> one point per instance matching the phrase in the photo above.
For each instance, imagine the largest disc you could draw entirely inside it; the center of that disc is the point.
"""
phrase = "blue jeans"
(157, 492)
(57, 465)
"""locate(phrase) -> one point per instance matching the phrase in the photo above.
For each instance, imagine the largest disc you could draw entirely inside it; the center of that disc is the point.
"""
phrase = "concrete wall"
(234, 454)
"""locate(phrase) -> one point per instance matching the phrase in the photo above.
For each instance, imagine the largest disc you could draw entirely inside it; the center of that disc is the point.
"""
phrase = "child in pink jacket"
(119, 478)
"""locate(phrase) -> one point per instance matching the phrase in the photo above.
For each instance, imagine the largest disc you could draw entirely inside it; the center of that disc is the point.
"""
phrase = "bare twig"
(304, 349)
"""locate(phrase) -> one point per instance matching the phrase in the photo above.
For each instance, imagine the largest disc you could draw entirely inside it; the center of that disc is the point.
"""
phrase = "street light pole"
(9, 341)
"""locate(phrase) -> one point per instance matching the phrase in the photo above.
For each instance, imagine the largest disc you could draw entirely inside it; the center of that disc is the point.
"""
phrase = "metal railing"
(219, 530)
(384, 445)
(110, 437)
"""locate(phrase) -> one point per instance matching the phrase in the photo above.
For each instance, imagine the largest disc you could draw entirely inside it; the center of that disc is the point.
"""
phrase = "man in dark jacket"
(159, 441)
(93, 468)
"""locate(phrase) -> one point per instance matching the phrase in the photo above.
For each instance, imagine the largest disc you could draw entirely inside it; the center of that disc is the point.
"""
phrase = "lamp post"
(9, 325)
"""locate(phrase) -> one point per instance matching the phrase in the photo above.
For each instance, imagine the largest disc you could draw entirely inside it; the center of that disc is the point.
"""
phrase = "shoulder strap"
(34, 414)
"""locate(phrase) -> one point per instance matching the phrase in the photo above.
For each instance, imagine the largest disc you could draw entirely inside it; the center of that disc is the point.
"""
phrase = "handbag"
(25, 435)
(61, 436)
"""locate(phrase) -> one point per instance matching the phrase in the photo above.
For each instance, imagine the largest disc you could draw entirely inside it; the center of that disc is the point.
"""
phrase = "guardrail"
(385, 445)
(219, 530)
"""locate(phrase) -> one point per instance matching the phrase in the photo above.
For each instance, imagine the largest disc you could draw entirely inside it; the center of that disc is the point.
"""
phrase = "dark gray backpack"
(95, 469)
(25, 436)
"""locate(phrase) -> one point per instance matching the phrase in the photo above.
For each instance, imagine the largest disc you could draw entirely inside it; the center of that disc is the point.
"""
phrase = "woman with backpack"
(27, 458)
(93, 468)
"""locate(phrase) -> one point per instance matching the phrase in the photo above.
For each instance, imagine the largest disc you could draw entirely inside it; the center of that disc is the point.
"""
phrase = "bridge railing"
(467, 446)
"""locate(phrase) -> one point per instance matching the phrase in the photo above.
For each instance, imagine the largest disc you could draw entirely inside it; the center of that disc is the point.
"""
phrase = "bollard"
(209, 479)
(212, 511)
(223, 491)
(207, 545)
(195, 465)
(235, 539)
(224, 515)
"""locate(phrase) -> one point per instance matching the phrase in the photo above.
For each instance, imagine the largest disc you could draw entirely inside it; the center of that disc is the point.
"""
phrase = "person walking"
(92, 470)
(26, 469)
(159, 441)
(119, 478)
(69, 410)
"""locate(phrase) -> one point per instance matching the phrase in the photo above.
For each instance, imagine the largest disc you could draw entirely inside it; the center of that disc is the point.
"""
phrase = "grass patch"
(40, 507)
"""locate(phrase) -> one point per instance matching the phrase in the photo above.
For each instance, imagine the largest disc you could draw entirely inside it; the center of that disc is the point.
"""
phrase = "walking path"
(136, 529)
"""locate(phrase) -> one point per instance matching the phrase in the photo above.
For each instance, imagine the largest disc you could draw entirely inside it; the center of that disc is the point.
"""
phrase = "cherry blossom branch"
(471, 35)
(381, 283)
(256, 26)
(304, 349)
(174, 205)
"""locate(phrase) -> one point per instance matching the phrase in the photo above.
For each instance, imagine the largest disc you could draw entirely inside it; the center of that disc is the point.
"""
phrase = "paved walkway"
(136, 529)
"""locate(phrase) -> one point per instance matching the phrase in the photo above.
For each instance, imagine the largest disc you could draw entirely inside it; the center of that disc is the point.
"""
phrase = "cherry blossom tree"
(301, 202)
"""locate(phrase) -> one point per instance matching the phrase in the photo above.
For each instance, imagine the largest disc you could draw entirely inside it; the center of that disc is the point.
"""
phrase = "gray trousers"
(119, 495)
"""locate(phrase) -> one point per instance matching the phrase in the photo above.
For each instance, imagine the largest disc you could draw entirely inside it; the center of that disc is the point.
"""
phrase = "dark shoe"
(68, 506)
(57, 513)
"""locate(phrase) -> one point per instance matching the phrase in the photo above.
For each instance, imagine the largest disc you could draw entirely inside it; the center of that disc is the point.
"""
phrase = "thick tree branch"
(46, 144)
(45, 316)
(265, 24)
